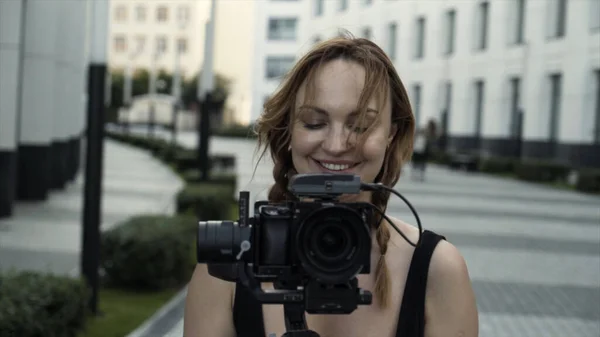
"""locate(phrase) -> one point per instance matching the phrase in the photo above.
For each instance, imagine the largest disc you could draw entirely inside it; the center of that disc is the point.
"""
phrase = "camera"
(311, 248)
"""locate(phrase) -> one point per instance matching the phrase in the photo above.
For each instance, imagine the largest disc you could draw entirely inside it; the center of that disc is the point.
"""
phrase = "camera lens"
(332, 243)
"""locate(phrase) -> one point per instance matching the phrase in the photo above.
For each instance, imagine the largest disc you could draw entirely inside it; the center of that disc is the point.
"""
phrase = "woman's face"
(323, 138)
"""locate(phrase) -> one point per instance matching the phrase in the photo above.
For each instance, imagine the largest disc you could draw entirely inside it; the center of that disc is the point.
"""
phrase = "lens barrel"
(222, 242)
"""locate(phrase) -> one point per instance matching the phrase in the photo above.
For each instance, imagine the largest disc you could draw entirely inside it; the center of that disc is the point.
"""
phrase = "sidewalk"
(47, 236)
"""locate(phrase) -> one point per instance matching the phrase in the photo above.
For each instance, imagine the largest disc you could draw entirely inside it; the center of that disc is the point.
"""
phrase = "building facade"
(153, 33)
(164, 34)
(501, 77)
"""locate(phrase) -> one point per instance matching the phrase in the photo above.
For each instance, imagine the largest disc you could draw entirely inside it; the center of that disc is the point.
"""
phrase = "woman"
(343, 108)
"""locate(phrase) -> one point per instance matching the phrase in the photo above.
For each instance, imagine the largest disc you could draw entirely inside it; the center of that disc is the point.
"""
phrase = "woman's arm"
(451, 309)
(208, 306)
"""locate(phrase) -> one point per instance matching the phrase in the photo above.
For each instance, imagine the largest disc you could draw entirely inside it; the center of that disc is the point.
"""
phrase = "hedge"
(34, 304)
(149, 252)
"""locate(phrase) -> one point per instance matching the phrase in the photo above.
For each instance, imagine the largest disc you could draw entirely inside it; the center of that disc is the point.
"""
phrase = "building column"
(62, 99)
(10, 59)
(37, 101)
(79, 77)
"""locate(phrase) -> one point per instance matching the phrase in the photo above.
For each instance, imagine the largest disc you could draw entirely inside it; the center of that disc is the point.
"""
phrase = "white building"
(479, 63)
(138, 28)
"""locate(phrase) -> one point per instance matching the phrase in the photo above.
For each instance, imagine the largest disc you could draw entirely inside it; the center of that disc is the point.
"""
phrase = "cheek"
(304, 142)
(374, 148)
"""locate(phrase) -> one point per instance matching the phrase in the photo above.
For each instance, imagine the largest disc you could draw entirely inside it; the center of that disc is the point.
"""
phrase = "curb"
(163, 312)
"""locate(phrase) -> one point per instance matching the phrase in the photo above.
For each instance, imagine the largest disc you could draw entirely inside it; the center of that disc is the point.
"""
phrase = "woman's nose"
(336, 141)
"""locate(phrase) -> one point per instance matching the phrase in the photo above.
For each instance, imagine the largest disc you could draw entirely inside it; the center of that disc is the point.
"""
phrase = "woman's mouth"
(336, 167)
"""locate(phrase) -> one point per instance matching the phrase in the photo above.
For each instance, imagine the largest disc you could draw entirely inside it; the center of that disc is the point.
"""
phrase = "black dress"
(248, 316)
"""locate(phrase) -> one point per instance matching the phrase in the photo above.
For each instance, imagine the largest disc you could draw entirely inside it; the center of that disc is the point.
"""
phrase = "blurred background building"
(500, 77)
(162, 35)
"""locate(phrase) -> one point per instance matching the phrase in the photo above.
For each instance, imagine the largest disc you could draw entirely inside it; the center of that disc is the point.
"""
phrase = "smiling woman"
(344, 109)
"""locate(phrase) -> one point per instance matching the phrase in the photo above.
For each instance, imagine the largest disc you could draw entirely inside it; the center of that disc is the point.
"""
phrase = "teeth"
(335, 167)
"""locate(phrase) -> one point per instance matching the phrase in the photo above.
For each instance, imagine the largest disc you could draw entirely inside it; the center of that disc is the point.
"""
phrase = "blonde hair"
(274, 126)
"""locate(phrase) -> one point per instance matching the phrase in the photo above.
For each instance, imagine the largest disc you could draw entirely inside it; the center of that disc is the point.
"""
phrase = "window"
(183, 15)
(366, 33)
(392, 36)
(556, 18)
(140, 42)
(597, 107)
(182, 45)
(343, 5)
(555, 102)
(161, 44)
(447, 97)
(318, 7)
(416, 98)
(479, 100)
(450, 32)
(515, 102)
(420, 38)
(594, 15)
(519, 33)
(140, 13)
(162, 14)
(278, 66)
(120, 44)
(481, 30)
(121, 13)
(282, 29)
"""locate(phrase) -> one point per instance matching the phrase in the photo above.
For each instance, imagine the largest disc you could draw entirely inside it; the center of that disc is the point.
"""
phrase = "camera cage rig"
(322, 187)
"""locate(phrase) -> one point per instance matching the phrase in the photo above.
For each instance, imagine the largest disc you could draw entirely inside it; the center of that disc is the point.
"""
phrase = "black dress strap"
(247, 313)
(411, 321)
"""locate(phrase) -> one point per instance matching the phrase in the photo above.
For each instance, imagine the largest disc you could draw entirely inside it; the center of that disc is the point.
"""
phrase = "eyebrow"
(325, 112)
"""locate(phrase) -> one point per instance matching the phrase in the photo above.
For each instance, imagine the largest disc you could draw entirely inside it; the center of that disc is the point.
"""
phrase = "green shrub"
(222, 161)
(205, 200)
(236, 131)
(149, 252)
(41, 305)
(588, 180)
(229, 179)
(497, 165)
(168, 152)
(186, 159)
(539, 171)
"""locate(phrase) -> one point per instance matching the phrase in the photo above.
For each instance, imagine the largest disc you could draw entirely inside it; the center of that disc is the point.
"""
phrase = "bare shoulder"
(208, 307)
(450, 306)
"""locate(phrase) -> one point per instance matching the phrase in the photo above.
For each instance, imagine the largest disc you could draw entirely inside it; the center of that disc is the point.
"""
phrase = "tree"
(140, 86)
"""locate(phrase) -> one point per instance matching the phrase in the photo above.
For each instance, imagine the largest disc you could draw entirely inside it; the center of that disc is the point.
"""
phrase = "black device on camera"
(311, 249)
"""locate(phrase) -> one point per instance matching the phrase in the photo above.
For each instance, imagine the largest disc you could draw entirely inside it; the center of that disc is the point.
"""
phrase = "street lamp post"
(176, 92)
(90, 259)
(128, 86)
(204, 95)
(152, 91)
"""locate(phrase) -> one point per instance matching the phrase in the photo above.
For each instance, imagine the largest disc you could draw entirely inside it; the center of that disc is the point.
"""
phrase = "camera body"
(311, 250)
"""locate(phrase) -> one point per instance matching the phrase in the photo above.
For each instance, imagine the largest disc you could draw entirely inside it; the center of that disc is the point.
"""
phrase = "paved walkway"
(533, 252)
(47, 236)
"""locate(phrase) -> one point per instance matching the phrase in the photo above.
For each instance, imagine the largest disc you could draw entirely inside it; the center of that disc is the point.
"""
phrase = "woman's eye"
(313, 126)
(358, 129)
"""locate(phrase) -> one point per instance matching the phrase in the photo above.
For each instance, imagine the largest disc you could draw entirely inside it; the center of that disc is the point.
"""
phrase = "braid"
(382, 277)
